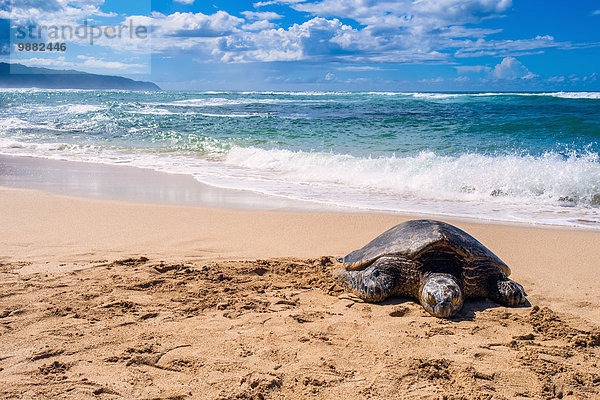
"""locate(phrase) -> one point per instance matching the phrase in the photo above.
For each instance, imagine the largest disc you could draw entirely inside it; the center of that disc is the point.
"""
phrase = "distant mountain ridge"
(22, 76)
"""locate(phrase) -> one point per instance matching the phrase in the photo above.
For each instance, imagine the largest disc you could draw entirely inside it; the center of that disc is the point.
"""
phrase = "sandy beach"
(203, 200)
(102, 298)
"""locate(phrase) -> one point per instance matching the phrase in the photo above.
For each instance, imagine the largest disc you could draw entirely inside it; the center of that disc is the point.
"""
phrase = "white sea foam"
(547, 179)
(564, 95)
(548, 189)
(576, 95)
(385, 93)
(207, 102)
(82, 108)
(16, 146)
(309, 93)
(435, 95)
(221, 101)
(57, 109)
(152, 111)
(430, 95)
(233, 115)
(16, 126)
(14, 123)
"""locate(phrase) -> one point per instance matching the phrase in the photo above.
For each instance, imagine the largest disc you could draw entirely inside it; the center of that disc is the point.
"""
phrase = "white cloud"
(258, 26)
(96, 63)
(406, 31)
(530, 75)
(86, 63)
(401, 31)
(391, 31)
(184, 1)
(425, 15)
(44, 62)
(439, 79)
(192, 24)
(457, 31)
(596, 12)
(315, 38)
(321, 39)
(267, 15)
(271, 2)
(461, 11)
(500, 48)
(510, 68)
(360, 68)
(261, 20)
(591, 77)
(53, 12)
(330, 39)
(462, 69)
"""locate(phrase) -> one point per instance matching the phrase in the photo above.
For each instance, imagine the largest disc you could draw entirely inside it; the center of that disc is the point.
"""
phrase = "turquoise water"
(512, 157)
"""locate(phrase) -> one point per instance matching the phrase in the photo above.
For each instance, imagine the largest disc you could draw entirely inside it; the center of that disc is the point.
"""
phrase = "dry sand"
(106, 299)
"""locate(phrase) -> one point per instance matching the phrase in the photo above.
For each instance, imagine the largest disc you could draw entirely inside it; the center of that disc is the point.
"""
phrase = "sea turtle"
(431, 261)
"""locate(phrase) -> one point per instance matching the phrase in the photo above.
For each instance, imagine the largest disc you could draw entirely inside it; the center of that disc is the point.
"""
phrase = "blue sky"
(403, 45)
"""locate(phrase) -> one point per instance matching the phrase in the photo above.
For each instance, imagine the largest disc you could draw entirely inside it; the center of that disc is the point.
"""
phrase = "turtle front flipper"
(372, 284)
(507, 292)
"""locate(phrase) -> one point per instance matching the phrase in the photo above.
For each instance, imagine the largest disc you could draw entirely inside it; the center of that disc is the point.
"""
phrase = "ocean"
(518, 157)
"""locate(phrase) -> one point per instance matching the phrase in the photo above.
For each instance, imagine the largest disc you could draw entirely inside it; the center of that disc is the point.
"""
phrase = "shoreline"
(134, 184)
(147, 186)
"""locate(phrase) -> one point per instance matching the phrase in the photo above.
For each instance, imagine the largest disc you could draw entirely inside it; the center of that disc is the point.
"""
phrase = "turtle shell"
(411, 239)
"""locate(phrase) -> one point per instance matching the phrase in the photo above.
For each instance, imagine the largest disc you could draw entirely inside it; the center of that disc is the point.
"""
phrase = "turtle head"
(441, 295)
